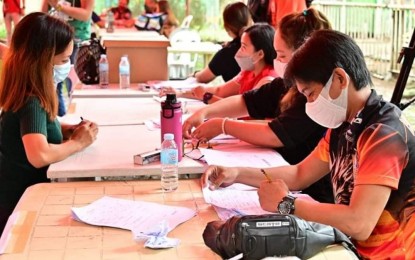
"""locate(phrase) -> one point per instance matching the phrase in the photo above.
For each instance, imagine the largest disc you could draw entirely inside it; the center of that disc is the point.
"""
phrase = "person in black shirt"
(291, 132)
(236, 17)
(368, 151)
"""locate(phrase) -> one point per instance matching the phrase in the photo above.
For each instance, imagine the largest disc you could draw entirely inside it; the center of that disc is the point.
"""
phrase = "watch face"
(284, 207)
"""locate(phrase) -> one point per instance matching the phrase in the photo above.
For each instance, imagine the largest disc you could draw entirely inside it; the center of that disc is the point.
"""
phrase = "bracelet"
(223, 125)
(194, 73)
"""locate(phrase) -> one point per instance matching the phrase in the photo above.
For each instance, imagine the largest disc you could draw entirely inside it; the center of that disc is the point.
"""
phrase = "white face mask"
(61, 72)
(328, 112)
(245, 62)
(279, 68)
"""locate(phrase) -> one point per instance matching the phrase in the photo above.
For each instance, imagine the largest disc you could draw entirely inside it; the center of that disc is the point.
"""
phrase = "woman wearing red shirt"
(13, 10)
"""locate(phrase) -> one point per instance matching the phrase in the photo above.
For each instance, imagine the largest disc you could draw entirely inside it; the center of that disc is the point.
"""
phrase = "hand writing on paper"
(85, 133)
(271, 193)
(218, 176)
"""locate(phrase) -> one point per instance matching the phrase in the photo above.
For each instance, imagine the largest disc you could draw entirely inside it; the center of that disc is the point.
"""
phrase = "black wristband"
(206, 97)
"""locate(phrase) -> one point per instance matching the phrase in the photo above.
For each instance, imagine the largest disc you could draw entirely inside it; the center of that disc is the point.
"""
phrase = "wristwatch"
(286, 206)
(206, 97)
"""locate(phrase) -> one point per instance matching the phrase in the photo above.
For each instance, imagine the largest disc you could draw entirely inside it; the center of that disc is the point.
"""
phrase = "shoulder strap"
(341, 238)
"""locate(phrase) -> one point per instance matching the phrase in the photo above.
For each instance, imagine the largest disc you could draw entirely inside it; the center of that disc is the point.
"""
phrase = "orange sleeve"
(382, 154)
(322, 150)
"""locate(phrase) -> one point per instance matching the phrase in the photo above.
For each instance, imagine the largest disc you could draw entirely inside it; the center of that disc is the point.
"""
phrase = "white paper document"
(185, 84)
(243, 155)
(234, 201)
(238, 200)
(144, 219)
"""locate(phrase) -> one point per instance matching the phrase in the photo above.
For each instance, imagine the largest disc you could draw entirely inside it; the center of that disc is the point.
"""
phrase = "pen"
(82, 119)
(266, 175)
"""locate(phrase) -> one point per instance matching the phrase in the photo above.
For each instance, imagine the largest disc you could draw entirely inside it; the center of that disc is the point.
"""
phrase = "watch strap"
(289, 199)
(206, 97)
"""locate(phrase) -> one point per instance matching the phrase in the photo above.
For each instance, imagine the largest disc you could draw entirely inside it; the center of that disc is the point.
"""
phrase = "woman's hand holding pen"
(218, 176)
(85, 133)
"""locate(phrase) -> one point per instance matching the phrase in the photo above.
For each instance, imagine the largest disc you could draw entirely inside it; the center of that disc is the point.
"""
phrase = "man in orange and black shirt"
(369, 152)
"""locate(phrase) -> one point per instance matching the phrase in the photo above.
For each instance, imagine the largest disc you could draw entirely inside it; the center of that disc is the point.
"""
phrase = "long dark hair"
(324, 51)
(28, 65)
(262, 38)
(236, 17)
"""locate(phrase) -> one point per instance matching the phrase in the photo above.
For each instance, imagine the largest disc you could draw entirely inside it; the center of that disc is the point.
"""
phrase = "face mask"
(279, 68)
(61, 72)
(245, 62)
(328, 112)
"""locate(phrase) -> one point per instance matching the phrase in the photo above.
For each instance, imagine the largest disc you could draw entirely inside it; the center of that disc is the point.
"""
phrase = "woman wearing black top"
(291, 132)
(236, 17)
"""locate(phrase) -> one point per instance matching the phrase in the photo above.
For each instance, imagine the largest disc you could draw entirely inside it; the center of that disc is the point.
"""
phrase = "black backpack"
(87, 60)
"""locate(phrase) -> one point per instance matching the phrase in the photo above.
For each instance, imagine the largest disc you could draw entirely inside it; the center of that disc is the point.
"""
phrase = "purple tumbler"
(171, 121)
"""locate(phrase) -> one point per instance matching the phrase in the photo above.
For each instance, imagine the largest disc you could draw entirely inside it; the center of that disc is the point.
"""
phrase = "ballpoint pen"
(266, 175)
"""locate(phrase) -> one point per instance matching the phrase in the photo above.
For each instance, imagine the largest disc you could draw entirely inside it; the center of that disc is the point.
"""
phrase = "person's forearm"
(204, 76)
(67, 130)
(243, 130)
(44, 6)
(233, 106)
(77, 13)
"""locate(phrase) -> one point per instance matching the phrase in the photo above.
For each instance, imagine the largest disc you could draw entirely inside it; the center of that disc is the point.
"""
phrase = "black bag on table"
(87, 60)
(259, 236)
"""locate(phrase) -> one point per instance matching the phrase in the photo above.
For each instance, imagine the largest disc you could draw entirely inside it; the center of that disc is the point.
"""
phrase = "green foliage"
(3, 34)
(207, 15)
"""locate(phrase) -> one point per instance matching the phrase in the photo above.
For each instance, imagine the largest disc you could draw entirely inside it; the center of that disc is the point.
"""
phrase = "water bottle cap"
(168, 136)
(124, 58)
(103, 55)
(171, 98)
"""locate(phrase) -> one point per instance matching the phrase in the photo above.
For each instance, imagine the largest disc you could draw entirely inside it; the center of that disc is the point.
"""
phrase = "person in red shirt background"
(13, 10)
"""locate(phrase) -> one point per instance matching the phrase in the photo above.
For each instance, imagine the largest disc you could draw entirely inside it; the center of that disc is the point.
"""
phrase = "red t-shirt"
(247, 80)
(11, 6)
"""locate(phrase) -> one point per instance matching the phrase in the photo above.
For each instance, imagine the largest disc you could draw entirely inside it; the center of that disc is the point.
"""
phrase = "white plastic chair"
(181, 65)
(186, 21)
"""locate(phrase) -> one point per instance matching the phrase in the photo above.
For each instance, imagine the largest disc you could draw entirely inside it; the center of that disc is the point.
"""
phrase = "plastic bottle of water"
(110, 22)
(169, 164)
(103, 71)
(124, 72)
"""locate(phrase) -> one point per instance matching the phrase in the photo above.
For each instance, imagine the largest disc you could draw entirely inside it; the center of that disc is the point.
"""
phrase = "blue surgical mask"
(61, 72)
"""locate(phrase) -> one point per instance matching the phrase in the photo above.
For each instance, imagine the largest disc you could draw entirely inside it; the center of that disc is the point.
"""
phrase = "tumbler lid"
(171, 98)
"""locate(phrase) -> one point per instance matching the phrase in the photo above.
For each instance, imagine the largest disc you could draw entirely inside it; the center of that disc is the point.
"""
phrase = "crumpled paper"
(157, 238)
